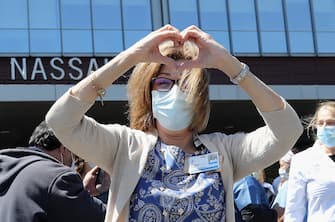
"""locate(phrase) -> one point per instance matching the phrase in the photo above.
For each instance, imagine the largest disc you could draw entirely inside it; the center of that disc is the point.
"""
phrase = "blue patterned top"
(166, 193)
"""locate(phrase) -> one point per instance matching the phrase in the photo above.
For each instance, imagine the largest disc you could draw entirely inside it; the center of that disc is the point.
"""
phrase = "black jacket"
(35, 187)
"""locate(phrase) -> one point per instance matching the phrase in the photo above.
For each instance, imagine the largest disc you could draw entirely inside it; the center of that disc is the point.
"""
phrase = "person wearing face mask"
(279, 202)
(38, 185)
(284, 164)
(161, 167)
(310, 193)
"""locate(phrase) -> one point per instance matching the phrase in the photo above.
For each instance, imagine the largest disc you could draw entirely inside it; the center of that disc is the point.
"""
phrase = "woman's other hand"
(147, 49)
(211, 53)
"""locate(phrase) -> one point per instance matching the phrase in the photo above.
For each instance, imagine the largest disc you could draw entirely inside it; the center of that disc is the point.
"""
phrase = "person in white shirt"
(311, 184)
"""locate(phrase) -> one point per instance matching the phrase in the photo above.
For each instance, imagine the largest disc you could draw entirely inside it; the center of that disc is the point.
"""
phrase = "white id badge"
(202, 163)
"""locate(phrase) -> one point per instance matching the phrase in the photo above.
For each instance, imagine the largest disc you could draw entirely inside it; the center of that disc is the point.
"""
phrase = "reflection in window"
(131, 37)
(242, 15)
(324, 20)
(183, 13)
(299, 26)
(221, 37)
(271, 25)
(326, 42)
(245, 42)
(137, 14)
(298, 15)
(243, 25)
(77, 41)
(106, 14)
(12, 16)
(214, 15)
(14, 41)
(107, 42)
(76, 14)
(45, 41)
(324, 15)
(301, 42)
(270, 15)
(44, 14)
(273, 42)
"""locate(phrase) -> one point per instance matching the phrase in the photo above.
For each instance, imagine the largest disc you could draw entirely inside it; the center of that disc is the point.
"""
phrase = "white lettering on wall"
(76, 68)
(54, 66)
(22, 69)
(93, 65)
(38, 69)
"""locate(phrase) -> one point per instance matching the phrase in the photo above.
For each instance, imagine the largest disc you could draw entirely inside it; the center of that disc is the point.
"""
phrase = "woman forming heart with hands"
(162, 168)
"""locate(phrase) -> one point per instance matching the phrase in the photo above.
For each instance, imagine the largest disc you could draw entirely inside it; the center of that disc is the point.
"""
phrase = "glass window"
(45, 41)
(137, 14)
(301, 42)
(326, 42)
(214, 15)
(106, 14)
(324, 15)
(298, 15)
(107, 42)
(183, 13)
(299, 27)
(131, 37)
(270, 15)
(245, 43)
(14, 41)
(75, 14)
(222, 38)
(242, 15)
(272, 27)
(44, 14)
(273, 42)
(77, 41)
(12, 16)
(243, 25)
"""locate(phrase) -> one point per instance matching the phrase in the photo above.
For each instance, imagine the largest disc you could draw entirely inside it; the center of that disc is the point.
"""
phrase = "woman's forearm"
(87, 90)
(262, 96)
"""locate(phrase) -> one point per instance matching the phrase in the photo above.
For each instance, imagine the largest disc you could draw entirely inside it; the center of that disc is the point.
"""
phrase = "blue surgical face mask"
(171, 109)
(283, 173)
(326, 134)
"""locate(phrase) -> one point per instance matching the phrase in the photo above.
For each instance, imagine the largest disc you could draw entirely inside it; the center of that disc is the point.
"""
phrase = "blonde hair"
(139, 89)
(311, 122)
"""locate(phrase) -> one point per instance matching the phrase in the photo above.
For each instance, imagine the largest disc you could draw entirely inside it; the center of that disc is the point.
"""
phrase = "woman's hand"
(147, 49)
(211, 53)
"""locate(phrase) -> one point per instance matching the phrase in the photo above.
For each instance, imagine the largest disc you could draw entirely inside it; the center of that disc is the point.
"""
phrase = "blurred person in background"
(252, 202)
(279, 202)
(38, 185)
(260, 175)
(310, 194)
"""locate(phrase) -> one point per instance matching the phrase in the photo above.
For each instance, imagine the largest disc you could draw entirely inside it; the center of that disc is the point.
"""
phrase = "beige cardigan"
(122, 151)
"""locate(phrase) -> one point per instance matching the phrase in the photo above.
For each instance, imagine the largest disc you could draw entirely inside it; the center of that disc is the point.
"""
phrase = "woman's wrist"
(241, 75)
(231, 67)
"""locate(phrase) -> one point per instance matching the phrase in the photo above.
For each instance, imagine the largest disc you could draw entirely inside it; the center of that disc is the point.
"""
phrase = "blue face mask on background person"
(283, 173)
(171, 109)
(326, 134)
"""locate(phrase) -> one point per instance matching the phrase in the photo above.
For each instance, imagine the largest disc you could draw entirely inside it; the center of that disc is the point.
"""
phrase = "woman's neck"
(328, 151)
(183, 139)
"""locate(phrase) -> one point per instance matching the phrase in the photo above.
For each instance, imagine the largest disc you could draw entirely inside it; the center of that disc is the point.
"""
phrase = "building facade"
(46, 46)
